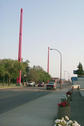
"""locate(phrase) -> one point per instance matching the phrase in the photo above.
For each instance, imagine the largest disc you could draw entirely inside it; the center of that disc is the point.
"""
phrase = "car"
(76, 86)
(31, 83)
(41, 84)
(51, 85)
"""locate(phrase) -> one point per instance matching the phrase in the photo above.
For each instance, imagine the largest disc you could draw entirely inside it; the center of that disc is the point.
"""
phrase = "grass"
(6, 85)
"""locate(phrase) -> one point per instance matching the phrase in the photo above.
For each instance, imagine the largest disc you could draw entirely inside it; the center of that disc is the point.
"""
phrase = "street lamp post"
(60, 65)
(48, 61)
(67, 74)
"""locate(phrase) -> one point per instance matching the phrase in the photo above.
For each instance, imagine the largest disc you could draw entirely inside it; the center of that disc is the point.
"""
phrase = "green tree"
(9, 69)
(80, 71)
(2, 72)
(38, 74)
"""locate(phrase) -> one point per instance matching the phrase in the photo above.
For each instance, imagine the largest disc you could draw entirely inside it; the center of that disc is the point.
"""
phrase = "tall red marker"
(20, 45)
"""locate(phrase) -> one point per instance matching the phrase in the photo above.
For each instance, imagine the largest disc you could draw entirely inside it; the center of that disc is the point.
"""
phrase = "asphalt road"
(12, 98)
(30, 106)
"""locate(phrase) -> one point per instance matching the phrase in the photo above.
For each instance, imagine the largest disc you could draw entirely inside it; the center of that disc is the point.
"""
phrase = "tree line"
(9, 71)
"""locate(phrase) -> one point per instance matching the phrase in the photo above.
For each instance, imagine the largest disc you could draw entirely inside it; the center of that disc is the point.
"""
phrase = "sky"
(58, 24)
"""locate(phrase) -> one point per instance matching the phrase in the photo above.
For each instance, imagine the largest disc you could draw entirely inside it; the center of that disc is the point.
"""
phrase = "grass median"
(6, 85)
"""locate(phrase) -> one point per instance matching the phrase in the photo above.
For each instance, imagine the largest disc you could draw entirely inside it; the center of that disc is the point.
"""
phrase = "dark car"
(51, 85)
(41, 84)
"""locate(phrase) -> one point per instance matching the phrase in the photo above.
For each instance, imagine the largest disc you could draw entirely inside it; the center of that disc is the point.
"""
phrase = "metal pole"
(60, 70)
(48, 61)
(20, 44)
(60, 66)
(67, 74)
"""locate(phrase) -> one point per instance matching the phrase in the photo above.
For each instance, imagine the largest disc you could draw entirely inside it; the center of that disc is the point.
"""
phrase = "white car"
(76, 86)
(31, 83)
(51, 85)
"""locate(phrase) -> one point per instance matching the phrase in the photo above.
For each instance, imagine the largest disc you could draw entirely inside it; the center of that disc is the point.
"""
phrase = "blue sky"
(55, 23)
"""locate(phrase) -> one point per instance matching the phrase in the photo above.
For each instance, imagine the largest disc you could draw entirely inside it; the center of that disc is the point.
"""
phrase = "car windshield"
(30, 81)
(51, 83)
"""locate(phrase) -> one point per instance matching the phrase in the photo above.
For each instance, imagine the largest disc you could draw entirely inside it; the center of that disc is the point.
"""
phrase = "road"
(28, 106)
(10, 99)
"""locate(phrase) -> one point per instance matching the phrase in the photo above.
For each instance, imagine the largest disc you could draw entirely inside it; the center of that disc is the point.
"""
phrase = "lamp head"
(51, 49)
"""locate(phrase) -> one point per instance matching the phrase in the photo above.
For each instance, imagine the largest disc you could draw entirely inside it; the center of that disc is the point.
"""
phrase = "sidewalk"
(77, 107)
(82, 92)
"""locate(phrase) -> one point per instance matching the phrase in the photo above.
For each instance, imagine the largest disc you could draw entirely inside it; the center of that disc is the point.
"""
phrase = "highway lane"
(10, 98)
(29, 106)
(40, 111)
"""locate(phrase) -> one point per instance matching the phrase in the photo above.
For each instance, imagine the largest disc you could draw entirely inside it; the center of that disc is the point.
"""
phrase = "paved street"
(21, 107)
(10, 99)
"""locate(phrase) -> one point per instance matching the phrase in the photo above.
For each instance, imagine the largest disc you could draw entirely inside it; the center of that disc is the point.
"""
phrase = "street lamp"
(48, 61)
(60, 65)
(67, 74)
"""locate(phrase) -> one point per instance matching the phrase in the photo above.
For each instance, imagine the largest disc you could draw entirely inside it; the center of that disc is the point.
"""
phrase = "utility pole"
(48, 61)
(20, 45)
(60, 65)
